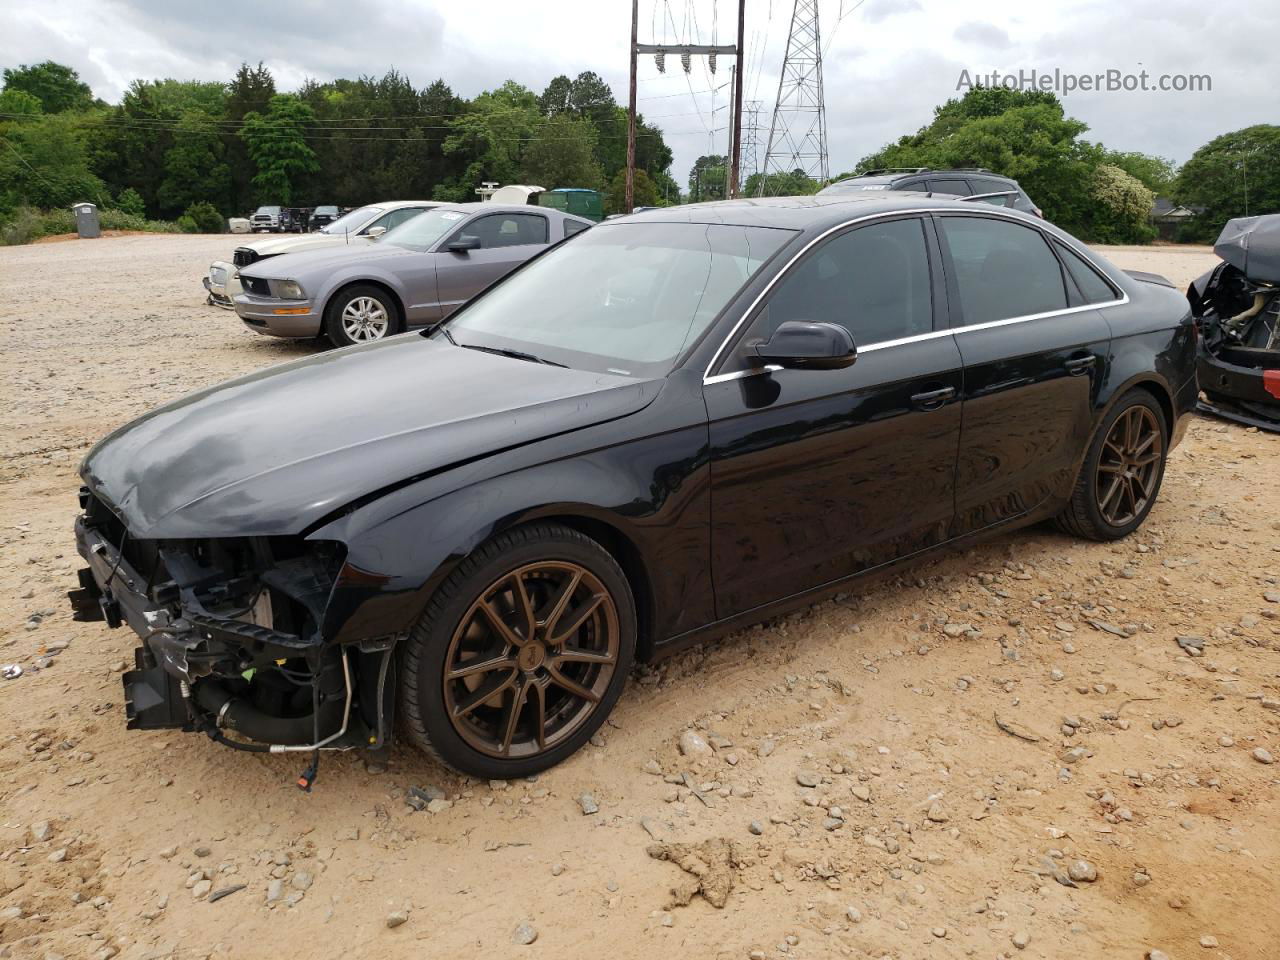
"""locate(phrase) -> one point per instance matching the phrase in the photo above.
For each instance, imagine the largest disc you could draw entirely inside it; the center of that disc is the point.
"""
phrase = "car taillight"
(1271, 382)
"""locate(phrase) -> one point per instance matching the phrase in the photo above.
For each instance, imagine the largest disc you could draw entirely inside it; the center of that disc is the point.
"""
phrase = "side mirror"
(805, 345)
(464, 243)
(373, 233)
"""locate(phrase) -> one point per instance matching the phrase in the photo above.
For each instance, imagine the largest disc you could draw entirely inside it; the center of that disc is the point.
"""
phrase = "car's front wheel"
(520, 655)
(361, 314)
(1122, 471)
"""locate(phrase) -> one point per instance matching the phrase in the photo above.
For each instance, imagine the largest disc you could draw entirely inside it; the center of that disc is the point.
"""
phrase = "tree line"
(1101, 195)
(171, 144)
(205, 150)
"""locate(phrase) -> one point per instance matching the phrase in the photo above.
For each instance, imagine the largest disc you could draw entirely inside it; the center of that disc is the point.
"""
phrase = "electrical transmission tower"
(798, 131)
(751, 138)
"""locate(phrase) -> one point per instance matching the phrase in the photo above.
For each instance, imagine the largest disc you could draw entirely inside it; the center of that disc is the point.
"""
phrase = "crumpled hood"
(273, 452)
(289, 266)
(297, 243)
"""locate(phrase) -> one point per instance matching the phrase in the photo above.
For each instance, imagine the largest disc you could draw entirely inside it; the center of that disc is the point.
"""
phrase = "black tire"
(337, 325)
(1090, 514)
(427, 702)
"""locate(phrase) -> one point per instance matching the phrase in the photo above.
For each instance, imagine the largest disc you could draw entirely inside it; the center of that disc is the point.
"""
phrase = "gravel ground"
(1002, 752)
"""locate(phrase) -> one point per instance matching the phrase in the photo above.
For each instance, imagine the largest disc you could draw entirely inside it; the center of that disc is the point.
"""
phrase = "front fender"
(649, 487)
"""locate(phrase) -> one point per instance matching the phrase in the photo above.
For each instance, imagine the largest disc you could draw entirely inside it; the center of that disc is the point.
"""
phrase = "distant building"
(1168, 216)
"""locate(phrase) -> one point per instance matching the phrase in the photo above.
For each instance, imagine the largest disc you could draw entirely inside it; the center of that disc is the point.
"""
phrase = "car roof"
(804, 213)
(397, 204)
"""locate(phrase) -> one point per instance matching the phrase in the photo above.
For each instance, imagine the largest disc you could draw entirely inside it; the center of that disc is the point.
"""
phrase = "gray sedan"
(414, 276)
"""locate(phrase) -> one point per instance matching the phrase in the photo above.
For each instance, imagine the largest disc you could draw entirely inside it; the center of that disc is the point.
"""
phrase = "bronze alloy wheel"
(531, 659)
(1129, 465)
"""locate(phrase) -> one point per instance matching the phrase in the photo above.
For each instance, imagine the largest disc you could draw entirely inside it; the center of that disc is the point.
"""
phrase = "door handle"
(932, 399)
(1080, 365)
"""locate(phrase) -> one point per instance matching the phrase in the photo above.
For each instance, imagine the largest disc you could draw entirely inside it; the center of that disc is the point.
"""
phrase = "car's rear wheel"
(1122, 471)
(361, 314)
(520, 655)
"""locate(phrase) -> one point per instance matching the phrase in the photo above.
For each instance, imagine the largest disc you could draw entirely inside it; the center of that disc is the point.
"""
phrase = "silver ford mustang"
(414, 276)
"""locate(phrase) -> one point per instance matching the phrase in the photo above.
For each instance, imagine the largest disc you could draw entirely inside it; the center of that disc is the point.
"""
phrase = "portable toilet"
(87, 220)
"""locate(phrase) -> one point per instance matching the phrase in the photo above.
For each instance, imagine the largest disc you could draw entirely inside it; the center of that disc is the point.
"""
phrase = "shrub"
(1121, 210)
(187, 224)
(130, 201)
(27, 224)
(206, 217)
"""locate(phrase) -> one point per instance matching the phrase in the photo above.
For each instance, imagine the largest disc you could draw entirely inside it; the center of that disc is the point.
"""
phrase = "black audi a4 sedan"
(668, 426)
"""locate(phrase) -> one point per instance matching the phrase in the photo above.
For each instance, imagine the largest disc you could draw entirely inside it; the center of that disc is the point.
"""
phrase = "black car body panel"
(275, 451)
(1237, 305)
(725, 494)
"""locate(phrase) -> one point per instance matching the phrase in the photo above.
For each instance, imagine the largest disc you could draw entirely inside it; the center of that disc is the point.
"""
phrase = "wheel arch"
(396, 300)
(624, 550)
(1149, 382)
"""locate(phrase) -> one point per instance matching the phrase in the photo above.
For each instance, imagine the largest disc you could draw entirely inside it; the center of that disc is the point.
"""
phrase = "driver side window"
(505, 230)
(872, 280)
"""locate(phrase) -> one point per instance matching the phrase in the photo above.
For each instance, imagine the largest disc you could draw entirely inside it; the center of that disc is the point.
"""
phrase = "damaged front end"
(231, 638)
(1237, 305)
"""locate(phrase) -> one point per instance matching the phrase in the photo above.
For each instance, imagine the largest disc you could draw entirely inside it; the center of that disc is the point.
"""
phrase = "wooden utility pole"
(631, 111)
(740, 76)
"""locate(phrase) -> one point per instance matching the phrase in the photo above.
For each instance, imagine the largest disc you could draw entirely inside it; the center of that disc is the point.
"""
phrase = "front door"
(820, 474)
(506, 241)
(1033, 363)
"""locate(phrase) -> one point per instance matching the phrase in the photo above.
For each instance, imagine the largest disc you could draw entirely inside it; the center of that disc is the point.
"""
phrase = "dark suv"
(975, 184)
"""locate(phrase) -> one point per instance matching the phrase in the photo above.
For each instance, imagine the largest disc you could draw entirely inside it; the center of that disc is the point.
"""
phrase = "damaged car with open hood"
(1237, 304)
(668, 427)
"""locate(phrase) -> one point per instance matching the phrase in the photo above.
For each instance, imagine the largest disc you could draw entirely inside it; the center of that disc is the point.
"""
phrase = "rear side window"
(987, 185)
(574, 226)
(1092, 286)
(873, 280)
(1003, 269)
(955, 187)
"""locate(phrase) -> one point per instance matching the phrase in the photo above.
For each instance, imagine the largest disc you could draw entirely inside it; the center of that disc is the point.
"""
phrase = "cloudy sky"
(887, 62)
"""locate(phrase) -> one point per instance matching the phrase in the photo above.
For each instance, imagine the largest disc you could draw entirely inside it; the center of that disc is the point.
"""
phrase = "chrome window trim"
(709, 378)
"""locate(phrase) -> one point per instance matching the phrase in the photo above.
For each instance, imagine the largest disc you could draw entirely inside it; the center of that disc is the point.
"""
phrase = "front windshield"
(423, 231)
(624, 298)
(326, 211)
(353, 221)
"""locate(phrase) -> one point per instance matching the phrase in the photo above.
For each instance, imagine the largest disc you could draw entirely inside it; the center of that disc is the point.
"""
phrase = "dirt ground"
(910, 770)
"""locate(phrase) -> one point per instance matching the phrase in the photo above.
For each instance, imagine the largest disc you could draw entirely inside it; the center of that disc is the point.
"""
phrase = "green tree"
(194, 169)
(555, 99)
(206, 217)
(562, 154)
(707, 178)
(43, 163)
(1156, 173)
(644, 192)
(19, 103)
(1121, 210)
(56, 86)
(278, 147)
(1234, 175)
(794, 184)
(1030, 139)
(130, 201)
(250, 91)
(493, 132)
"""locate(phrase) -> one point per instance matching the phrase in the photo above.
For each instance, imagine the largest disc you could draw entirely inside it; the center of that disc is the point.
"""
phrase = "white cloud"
(888, 62)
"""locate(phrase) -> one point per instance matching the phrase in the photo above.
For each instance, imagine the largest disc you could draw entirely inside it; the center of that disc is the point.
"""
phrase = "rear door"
(506, 241)
(820, 474)
(1034, 358)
